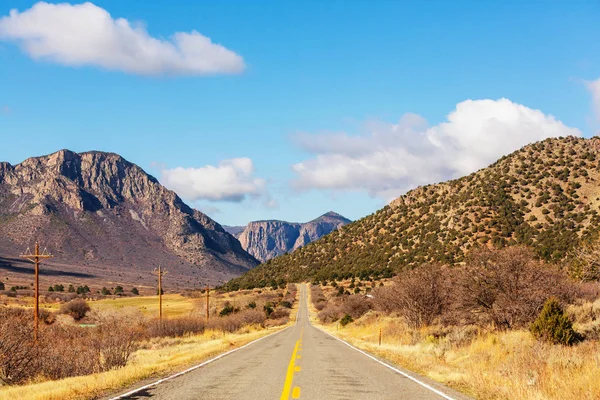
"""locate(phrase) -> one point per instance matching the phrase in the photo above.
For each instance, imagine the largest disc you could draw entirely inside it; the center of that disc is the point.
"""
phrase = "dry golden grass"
(174, 305)
(156, 357)
(485, 365)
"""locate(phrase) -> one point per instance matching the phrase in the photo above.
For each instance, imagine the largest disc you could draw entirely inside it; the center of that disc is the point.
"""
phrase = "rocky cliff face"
(98, 208)
(269, 239)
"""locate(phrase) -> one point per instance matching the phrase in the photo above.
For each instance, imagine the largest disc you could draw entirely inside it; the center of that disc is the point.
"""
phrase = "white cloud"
(85, 34)
(232, 180)
(393, 158)
(594, 88)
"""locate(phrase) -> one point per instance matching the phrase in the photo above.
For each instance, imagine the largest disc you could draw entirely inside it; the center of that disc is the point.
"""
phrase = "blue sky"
(311, 97)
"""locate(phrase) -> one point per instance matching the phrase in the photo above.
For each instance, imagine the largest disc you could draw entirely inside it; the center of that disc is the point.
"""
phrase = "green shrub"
(227, 310)
(135, 291)
(553, 325)
(2, 286)
(346, 320)
(268, 309)
(252, 305)
(285, 304)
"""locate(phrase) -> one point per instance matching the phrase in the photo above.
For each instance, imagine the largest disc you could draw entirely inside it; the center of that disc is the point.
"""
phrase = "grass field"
(174, 305)
(485, 365)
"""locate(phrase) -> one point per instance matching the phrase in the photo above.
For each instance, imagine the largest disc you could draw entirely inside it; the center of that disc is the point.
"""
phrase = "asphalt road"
(300, 362)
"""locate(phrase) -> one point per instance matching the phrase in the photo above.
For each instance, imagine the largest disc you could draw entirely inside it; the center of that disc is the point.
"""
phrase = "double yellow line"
(292, 368)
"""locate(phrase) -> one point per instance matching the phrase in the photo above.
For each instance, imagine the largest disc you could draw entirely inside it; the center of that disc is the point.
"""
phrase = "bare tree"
(508, 287)
(420, 295)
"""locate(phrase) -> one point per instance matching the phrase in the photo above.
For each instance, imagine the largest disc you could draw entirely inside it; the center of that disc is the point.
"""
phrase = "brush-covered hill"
(272, 238)
(545, 195)
(105, 218)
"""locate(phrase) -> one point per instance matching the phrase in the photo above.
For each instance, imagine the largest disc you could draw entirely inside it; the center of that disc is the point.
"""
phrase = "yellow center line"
(287, 387)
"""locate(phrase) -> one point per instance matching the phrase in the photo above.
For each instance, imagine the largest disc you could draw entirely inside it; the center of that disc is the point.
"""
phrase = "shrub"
(268, 309)
(508, 287)
(135, 292)
(174, 327)
(18, 353)
(251, 305)
(77, 309)
(71, 289)
(286, 304)
(119, 290)
(115, 342)
(2, 287)
(346, 320)
(227, 310)
(553, 325)
(420, 295)
(105, 291)
(279, 313)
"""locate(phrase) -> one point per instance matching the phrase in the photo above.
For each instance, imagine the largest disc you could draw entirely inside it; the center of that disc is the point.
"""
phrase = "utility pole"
(35, 258)
(160, 273)
(207, 302)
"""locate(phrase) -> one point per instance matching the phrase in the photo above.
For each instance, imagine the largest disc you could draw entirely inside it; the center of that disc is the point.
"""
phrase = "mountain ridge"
(545, 195)
(97, 208)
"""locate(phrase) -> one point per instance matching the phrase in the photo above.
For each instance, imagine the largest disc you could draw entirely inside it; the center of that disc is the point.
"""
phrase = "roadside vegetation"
(82, 352)
(504, 325)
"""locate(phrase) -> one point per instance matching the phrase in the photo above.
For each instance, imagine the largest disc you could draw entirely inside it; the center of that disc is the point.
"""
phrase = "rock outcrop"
(98, 208)
(268, 239)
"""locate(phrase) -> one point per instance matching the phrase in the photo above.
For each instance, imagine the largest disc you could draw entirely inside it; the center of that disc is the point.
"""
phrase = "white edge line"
(412, 378)
(158, 382)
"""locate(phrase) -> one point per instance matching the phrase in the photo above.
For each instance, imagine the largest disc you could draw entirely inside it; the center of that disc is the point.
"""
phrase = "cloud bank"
(393, 158)
(84, 34)
(232, 180)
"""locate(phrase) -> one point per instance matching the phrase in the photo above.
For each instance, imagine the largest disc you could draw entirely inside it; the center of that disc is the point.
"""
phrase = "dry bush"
(114, 342)
(174, 327)
(508, 288)
(17, 351)
(234, 322)
(279, 313)
(77, 309)
(67, 351)
(317, 297)
(354, 305)
(420, 295)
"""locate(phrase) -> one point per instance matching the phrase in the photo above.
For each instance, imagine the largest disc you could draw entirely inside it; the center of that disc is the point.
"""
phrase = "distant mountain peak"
(270, 238)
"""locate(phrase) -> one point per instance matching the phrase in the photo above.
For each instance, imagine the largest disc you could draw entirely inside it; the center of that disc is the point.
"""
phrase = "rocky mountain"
(545, 196)
(269, 239)
(101, 214)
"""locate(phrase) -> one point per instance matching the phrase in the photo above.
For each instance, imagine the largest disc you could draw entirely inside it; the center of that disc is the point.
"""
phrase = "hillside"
(545, 195)
(104, 218)
(268, 239)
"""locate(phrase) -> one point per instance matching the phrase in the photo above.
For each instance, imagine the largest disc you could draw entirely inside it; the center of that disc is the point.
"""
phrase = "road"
(301, 362)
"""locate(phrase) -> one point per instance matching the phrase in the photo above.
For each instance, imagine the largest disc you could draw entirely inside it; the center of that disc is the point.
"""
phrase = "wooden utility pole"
(207, 302)
(160, 273)
(35, 258)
